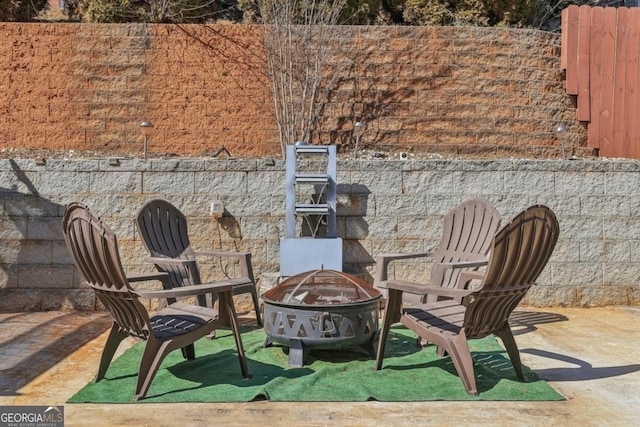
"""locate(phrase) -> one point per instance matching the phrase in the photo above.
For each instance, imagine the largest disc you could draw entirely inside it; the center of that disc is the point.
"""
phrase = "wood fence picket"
(600, 54)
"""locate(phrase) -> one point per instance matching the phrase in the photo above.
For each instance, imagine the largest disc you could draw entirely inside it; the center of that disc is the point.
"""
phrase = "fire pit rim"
(321, 307)
(290, 302)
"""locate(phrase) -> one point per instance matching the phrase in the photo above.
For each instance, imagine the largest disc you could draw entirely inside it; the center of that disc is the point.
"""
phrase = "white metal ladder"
(325, 180)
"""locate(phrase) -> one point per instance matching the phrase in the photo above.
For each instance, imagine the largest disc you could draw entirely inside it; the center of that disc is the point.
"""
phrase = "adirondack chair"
(519, 253)
(94, 249)
(163, 230)
(464, 245)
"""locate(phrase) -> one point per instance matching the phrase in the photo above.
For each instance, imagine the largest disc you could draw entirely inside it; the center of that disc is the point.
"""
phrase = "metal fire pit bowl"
(321, 309)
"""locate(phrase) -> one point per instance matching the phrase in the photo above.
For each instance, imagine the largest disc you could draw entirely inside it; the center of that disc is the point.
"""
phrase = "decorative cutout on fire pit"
(321, 308)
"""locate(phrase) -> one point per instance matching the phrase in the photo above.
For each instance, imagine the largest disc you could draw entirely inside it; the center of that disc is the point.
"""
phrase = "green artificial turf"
(409, 374)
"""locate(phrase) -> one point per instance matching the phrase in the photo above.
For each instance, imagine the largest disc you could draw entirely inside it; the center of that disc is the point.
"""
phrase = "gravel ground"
(34, 153)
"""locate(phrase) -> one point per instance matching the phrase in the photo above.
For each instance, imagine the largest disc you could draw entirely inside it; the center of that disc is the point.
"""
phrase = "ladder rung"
(312, 209)
(312, 178)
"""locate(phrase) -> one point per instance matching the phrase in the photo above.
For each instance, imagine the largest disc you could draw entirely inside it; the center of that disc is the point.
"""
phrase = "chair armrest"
(465, 264)
(187, 291)
(244, 259)
(168, 261)
(222, 254)
(144, 277)
(418, 289)
(383, 261)
(189, 263)
(468, 276)
(438, 270)
(395, 257)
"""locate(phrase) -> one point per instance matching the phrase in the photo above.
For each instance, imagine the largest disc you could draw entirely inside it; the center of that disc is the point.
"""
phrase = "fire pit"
(321, 309)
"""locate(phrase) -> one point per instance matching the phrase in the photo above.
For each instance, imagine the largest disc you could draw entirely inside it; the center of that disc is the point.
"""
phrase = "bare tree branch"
(296, 36)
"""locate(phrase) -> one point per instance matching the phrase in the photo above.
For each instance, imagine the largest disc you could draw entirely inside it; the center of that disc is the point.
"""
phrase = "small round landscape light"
(145, 127)
(358, 130)
(560, 131)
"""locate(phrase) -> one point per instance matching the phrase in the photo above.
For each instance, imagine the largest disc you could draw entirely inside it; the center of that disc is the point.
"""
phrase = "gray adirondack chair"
(94, 249)
(519, 253)
(163, 230)
(464, 245)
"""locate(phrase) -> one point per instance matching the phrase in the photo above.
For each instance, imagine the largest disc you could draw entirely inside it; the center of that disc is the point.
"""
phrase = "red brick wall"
(442, 89)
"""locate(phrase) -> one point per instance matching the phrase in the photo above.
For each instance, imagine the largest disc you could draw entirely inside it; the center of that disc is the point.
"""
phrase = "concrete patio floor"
(591, 356)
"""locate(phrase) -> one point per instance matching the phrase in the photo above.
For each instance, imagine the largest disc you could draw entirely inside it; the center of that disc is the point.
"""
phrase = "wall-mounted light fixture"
(358, 130)
(560, 132)
(145, 127)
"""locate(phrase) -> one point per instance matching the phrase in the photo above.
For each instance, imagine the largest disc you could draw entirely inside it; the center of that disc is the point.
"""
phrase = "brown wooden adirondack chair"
(464, 245)
(94, 249)
(519, 253)
(163, 230)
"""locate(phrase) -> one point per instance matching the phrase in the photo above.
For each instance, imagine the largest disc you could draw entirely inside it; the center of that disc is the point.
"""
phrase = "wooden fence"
(600, 55)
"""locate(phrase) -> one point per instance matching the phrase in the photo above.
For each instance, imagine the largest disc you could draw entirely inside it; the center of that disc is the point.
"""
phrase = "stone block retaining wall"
(490, 91)
(383, 206)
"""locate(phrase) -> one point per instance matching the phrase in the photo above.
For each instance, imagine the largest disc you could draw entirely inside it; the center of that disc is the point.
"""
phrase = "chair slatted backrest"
(94, 249)
(164, 233)
(468, 231)
(520, 252)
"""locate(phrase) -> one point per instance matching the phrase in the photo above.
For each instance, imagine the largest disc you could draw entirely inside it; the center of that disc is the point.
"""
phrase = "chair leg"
(461, 358)
(223, 310)
(441, 351)
(226, 302)
(154, 353)
(391, 315)
(211, 299)
(509, 342)
(256, 305)
(189, 352)
(382, 342)
(116, 336)
(250, 288)
(203, 301)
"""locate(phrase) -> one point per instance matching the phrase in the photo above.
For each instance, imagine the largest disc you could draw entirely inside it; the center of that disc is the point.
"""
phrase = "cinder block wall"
(436, 89)
(383, 206)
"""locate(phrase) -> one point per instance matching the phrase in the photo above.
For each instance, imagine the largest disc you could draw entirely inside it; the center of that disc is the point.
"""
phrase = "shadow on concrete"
(523, 322)
(581, 372)
(33, 343)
